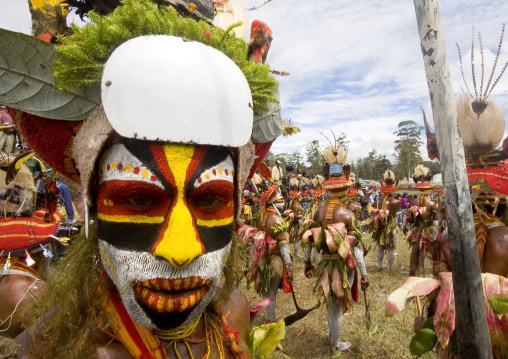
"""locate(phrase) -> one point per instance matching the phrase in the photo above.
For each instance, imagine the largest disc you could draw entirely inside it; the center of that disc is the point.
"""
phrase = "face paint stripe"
(144, 152)
(214, 156)
(129, 236)
(215, 238)
(111, 266)
(130, 219)
(160, 157)
(179, 243)
(215, 222)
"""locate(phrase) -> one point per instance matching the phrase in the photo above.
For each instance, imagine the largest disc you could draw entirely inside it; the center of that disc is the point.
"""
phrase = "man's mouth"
(172, 295)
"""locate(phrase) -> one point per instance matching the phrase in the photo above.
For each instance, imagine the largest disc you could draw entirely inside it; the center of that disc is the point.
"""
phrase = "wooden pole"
(470, 317)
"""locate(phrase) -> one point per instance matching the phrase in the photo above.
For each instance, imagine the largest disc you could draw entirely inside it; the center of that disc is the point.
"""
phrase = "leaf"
(444, 317)
(27, 82)
(264, 339)
(484, 187)
(412, 287)
(268, 125)
(423, 341)
(496, 291)
(15, 166)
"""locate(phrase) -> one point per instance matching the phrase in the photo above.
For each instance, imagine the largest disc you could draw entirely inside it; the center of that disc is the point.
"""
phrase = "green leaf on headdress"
(268, 124)
(27, 83)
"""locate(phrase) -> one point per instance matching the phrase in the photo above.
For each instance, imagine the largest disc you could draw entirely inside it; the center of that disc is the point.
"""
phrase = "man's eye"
(208, 202)
(141, 200)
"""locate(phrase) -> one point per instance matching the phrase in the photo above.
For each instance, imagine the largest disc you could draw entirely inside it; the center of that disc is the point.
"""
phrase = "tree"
(433, 166)
(296, 160)
(407, 148)
(314, 157)
(371, 167)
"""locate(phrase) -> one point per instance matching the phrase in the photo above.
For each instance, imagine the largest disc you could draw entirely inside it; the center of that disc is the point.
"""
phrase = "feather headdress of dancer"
(334, 152)
(421, 174)
(481, 120)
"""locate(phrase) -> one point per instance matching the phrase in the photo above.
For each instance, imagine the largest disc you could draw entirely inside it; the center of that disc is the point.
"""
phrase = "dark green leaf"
(27, 83)
(424, 340)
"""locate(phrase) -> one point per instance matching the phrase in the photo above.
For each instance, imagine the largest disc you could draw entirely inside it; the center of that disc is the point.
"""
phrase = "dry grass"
(387, 337)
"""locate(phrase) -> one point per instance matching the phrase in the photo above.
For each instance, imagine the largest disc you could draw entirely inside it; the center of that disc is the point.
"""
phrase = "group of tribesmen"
(163, 115)
(335, 220)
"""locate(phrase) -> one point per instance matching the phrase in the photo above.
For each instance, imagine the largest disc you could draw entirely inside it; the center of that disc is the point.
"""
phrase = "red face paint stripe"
(219, 190)
(161, 160)
(118, 197)
(199, 153)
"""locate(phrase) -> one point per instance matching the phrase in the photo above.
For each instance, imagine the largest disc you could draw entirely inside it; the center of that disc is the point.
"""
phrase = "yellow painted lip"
(172, 295)
(167, 301)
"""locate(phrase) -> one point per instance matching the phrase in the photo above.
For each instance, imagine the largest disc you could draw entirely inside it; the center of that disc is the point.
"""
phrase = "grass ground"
(386, 338)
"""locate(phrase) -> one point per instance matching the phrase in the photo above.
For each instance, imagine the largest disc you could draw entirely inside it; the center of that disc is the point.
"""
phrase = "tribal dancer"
(335, 235)
(272, 264)
(164, 192)
(384, 220)
(295, 214)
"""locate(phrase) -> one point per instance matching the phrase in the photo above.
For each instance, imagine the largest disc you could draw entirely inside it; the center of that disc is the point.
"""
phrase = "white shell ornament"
(163, 88)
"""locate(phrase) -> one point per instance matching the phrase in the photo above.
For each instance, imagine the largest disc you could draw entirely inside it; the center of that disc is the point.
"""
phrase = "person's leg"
(380, 256)
(391, 249)
(272, 293)
(414, 260)
(335, 321)
(297, 248)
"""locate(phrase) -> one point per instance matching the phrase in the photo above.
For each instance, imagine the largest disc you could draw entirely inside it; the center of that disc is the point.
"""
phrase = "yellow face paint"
(179, 244)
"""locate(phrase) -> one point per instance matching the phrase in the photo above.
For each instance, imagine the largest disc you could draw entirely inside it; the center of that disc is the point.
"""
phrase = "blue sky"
(356, 66)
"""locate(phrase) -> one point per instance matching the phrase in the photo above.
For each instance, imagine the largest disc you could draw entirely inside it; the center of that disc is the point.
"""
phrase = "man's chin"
(169, 303)
(164, 320)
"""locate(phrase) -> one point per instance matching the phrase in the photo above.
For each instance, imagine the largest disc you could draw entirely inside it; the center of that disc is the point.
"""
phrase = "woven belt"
(330, 257)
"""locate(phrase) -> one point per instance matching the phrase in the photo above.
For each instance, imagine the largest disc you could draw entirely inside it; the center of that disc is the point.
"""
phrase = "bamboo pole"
(470, 317)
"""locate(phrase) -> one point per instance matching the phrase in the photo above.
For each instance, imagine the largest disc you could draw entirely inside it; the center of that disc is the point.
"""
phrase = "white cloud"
(356, 67)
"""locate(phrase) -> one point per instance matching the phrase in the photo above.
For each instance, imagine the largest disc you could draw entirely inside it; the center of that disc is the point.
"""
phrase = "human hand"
(289, 272)
(309, 270)
(365, 282)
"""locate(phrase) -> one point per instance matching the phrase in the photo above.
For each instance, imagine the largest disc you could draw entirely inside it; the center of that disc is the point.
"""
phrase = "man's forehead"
(153, 162)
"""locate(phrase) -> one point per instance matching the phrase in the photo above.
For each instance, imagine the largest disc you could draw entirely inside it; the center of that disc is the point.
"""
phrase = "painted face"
(165, 226)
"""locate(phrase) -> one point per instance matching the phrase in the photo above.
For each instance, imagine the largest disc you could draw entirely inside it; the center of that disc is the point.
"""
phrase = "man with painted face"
(155, 276)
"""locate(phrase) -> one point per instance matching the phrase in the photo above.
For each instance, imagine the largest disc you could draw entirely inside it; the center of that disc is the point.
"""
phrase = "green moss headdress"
(84, 52)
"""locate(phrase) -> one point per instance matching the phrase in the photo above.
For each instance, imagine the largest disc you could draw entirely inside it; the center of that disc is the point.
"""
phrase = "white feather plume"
(480, 134)
(389, 175)
(421, 171)
(317, 182)
(335, 155)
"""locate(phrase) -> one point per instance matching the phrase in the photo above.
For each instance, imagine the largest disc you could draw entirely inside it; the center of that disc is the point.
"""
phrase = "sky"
(356, 66)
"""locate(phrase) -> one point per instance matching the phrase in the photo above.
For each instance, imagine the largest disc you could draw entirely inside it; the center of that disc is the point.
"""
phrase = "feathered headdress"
(481, 120)
(389, 185)
(335, 155)
(422, 177)
(421, 174)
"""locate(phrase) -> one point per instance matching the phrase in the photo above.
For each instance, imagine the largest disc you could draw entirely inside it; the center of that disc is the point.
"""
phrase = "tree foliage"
(314, 157)
(371, 167)
(407, 148)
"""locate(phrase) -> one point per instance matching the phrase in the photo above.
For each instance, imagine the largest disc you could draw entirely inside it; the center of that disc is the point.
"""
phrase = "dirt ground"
(388, 337)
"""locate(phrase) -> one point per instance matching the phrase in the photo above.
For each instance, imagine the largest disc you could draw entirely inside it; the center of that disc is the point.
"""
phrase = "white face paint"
(166, 270)
(128, 266)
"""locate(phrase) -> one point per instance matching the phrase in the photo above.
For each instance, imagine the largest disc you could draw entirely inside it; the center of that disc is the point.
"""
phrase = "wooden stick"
(470, 317)
(419, 306)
